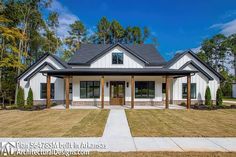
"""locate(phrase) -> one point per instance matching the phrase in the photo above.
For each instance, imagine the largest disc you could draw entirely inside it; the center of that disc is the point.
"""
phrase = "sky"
(178, 24)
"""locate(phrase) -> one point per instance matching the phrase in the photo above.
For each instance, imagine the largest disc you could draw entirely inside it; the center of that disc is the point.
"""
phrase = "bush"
(183, 104)
(30, 99)
(208, 101)
(219, 95)
(53, 104)
(20, 98)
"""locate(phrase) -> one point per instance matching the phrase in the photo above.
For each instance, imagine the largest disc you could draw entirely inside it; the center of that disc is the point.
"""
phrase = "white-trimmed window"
(117, 58)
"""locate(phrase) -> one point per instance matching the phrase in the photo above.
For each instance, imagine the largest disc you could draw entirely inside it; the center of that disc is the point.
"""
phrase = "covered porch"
(131, 75)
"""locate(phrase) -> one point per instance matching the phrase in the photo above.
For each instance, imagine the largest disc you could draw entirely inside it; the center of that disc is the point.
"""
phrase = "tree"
(219, 96)
(103, 30)
(117, 32)
(9, 51)
(20, 98)
(77, 36)
(226, 85)
(214, 51)
(136, 35)
(30, 99)
(146, 34)
(231, 43)
(27, 17)
(208, 101)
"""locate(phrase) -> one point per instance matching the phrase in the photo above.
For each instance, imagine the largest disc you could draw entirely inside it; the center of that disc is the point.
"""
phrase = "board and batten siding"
(105, 61)
(37, 79)
(201, 81)
(107, 79)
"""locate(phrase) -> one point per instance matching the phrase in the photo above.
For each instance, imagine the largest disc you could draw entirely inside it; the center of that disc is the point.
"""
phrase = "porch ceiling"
(119, 72)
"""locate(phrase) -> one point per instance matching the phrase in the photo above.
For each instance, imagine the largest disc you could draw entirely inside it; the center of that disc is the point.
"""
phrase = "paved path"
(117, 138)
(229, 101)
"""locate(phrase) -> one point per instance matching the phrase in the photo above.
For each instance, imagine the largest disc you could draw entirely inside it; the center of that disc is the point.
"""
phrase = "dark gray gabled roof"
(90, 52)
(119, 71)
(39, 69)
(180, 55)
(197, 67)
(64, 64)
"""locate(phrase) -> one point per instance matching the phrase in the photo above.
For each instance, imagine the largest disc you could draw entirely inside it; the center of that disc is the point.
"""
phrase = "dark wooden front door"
(117, 92)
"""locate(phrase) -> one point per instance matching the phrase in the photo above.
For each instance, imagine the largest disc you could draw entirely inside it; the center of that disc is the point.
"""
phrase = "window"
(163, 87)
(193, 90)
(70, 88)
(89, 89)
(144, 89)
(43, 90)
(117, 58)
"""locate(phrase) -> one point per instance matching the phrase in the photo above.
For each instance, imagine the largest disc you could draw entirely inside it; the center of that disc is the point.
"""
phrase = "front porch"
(126, 87)
(160, 107)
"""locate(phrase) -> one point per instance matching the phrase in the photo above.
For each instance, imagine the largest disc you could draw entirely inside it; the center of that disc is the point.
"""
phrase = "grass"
(52, 123)
(182, 123)
(229, 99)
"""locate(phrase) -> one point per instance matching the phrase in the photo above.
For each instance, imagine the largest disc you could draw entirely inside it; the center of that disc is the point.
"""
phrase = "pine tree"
(208, 101)
(219, 96)
(30, 99)
(20, 98)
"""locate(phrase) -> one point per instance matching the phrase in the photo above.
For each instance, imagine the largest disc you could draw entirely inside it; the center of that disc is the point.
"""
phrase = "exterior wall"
(130, 61)
(105, 61)
(201, 81)
(81, 101)
(34, 82)
(234, 90)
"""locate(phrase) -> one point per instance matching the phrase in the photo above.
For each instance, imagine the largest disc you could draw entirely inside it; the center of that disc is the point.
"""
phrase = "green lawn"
(52, 123)
(182, 123)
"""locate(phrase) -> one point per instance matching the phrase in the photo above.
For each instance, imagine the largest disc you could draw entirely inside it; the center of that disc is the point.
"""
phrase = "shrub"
(183, 104)
(54, 104)
(219, 95)
(30, 99)
(208, 101)
(20, 98)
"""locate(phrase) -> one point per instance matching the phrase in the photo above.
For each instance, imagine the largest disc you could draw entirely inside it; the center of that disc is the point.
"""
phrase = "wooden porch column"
(188, 91)
(102, 99)
(132, 92)
(48, 91)
(67, 92)
(167, 91)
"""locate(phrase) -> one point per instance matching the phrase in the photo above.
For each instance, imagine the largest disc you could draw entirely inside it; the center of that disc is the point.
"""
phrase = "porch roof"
(119, 71)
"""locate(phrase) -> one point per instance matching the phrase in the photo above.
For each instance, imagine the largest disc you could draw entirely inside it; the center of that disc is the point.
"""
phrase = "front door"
(117, 92)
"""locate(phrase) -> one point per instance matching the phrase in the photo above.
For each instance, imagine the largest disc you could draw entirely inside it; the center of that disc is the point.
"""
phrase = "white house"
(119, 74)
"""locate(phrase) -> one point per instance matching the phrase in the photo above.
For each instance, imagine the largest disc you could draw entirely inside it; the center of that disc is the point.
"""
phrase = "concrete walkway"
(117, 136)
(229, 101)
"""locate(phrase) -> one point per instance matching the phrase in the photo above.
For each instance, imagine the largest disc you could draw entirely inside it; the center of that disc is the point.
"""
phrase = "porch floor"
(171, 106)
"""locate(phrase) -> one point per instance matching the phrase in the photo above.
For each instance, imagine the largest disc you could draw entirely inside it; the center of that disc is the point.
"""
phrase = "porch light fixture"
(127, 84)
(107, 84)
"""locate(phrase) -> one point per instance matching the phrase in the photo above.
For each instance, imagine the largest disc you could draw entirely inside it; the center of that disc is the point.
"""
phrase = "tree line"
(27, 32)
(219, 52)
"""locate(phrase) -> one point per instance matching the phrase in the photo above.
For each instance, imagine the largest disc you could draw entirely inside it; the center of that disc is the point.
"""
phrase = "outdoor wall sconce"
(107, 84)
(127, 84)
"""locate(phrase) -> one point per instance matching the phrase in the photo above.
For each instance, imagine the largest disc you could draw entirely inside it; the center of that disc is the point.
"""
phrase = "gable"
(129, 60)
(194, 66)
(189, 57)
(88, 53)
(44, 60)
